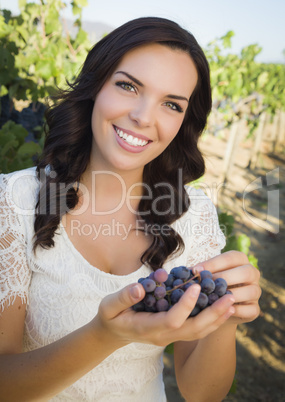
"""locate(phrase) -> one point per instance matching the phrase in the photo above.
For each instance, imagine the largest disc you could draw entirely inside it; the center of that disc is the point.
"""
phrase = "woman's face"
(140, 109)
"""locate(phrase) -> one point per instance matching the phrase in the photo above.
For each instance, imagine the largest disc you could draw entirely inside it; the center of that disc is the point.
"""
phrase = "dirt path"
(260, 372)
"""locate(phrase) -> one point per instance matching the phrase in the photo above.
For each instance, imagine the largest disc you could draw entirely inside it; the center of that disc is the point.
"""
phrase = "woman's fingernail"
(195, 290)
(197, 269)
(230, 312)
(135, 292)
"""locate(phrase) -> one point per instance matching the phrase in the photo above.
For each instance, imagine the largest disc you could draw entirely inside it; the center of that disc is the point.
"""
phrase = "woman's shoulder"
(20, 188)
(199, 200)
(24, 173)
(201, 209)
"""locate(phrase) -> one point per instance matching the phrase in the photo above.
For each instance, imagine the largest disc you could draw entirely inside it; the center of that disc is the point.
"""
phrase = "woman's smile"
(130, 140)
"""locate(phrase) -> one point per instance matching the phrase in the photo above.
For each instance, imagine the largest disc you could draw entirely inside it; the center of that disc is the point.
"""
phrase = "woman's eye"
(127, 86)
(174, 106)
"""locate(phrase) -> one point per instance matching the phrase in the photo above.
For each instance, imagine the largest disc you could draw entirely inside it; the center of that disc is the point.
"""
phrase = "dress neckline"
(143, 269)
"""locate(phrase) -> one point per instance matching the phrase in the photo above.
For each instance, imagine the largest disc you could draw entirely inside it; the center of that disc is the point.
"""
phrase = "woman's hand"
(115, 318)
(243, 281)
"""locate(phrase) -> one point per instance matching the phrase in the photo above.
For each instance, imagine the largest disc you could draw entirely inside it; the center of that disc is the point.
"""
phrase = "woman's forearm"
(208, 372)
(40, 374)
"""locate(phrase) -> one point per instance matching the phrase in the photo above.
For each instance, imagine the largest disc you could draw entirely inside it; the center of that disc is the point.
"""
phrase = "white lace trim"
(14, 271)
(64, 290)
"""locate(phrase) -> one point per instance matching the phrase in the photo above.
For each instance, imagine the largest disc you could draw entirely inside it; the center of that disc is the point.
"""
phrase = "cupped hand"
(243, 281)
(117, 319)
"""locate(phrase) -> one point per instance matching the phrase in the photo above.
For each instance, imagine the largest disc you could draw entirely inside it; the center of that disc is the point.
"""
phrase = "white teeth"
(130, 139)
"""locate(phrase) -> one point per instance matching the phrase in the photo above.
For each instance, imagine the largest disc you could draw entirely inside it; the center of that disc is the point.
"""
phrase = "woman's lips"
(131, 141)
(132, 133)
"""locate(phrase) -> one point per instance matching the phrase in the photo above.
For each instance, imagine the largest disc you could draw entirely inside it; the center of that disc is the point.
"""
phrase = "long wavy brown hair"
(69, 138)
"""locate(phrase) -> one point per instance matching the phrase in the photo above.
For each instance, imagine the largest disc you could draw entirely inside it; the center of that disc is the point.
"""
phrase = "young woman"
(106, 205)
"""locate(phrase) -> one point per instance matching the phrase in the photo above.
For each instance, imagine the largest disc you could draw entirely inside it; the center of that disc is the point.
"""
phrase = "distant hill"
(95, 29)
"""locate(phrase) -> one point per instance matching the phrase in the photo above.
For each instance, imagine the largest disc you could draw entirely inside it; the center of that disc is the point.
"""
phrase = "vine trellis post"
(258, 139)
(234, 136)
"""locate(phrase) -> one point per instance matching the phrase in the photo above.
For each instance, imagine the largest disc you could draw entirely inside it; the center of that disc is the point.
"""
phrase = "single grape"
(174, 272)
(221, 288)
(151, 309)
(207, 286)
(228, 292)
(169, 280)
(160, 275)
(162, 305)
(191, 273)
(159, 292)
(187, 285)
(195, 311)
(149, 300)
(206, 274)
(151, 276)
(177, 282)
(176, 295)
(141, 280)
(212, 298)
(139, 306)
(182, 272)
(220, 280)
(149, 285)
(202, 301)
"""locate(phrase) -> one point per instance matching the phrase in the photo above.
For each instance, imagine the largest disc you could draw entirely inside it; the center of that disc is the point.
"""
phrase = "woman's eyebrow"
(130, 77)
(178, 97)
(142, 85)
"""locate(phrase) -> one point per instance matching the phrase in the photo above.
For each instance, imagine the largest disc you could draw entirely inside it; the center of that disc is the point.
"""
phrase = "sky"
(253, 21)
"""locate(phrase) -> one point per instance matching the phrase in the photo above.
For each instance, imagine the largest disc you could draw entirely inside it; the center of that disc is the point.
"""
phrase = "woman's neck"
(109, 190)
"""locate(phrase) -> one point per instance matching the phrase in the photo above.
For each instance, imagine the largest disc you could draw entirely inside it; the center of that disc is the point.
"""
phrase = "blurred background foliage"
(37, 55)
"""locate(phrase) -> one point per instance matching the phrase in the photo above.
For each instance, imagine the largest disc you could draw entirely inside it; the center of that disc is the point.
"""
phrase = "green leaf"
(227, 222)
(81, 3)
(3, 90)
(233, 387)
(5, 29)
(6, 58)
(76, 10)
(262, 79)
(22, 4)
(45, 68)
(23, 32)
(81, 37)
(226, 39)
(12, 144)
(253, 260)
(29, 149)
(243, 242)
(169, 349)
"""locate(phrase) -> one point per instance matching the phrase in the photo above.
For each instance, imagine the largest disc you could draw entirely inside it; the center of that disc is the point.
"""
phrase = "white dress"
(63, 290)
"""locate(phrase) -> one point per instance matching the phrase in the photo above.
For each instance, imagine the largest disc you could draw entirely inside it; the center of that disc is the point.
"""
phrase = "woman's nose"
(143, 113)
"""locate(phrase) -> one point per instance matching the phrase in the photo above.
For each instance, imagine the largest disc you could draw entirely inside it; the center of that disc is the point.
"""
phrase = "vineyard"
(243, 147)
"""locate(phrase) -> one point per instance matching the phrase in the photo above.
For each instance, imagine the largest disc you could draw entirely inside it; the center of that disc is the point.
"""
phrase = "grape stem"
(168, 292)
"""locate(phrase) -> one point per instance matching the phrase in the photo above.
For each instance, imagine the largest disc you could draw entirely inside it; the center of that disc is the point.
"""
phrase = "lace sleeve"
(14, 271)
(207, 239)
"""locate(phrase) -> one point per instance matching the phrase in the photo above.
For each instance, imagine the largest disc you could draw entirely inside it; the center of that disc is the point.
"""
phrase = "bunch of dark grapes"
(163, 290)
